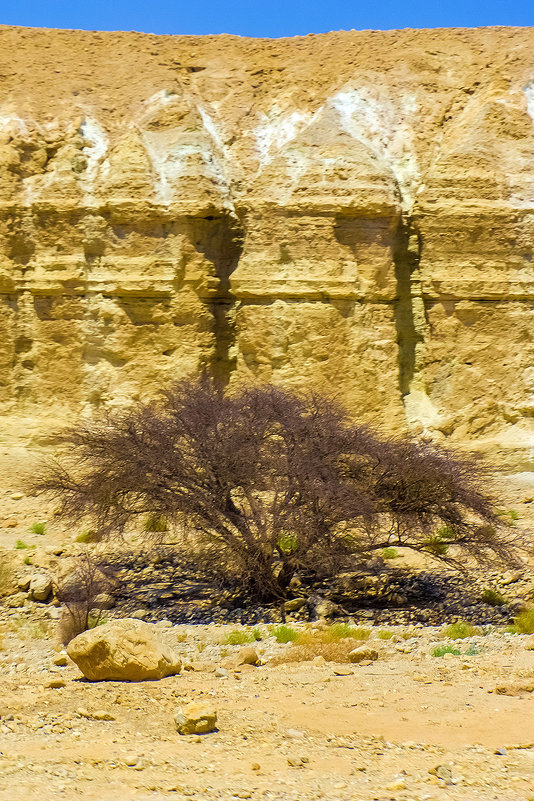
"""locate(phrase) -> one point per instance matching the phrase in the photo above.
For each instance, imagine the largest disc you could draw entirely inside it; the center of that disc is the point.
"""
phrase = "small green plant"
(460, 630)
(27, 560)
(155, 524)
(86, 536)
(436, 546)
(390, 553)
(287, 543)
(441, 650)
(511, 514)
(38, 528)
(284, 634)
(385, 634)
(20, 545)
(242, 636)
(523, 623)
(492, 597)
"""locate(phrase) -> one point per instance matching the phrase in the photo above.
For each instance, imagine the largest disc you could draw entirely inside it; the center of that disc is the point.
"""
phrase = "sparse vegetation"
(86, 536)
(283, 634)
(242, 636)
(38, 528)
(20, 545)
(441, 650)
(390, 553)
(461, 630)
(385, 634)
(155, 524)
(523, 623)
(492, 597)
(79, 598)
(272, 484)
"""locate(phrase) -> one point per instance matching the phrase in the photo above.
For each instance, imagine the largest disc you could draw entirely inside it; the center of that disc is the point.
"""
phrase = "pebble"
(55, 684)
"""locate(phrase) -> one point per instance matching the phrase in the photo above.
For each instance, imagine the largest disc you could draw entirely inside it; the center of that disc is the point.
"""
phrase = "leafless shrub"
(273, 483)
(79, 596)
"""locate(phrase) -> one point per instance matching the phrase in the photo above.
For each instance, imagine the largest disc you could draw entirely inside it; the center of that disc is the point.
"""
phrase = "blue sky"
(271, 18)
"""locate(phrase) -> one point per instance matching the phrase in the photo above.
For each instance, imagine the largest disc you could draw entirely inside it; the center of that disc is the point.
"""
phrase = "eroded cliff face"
(351, 211)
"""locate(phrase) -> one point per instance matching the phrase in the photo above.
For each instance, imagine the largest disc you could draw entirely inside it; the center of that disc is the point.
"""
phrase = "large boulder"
(123, 650)
(40, 587)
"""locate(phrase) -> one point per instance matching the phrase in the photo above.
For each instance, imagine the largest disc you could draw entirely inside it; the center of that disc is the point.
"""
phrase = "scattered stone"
(295, 604)
(297, 762)
(520, 688)
(196, 718)
(248, 656)
(501, 751)
(104, 601)
(443, 772)
(17, 496)
(341, 671)
(61, 660)
(123, 650)
(24, 582)
(16, 600)
(40, 587)
(221, 673)
(364, 653)
(399, 784)
(55, 684)
(101, 714)
(11, 522)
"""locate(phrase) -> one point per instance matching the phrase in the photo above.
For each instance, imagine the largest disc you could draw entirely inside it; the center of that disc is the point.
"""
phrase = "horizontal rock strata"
(350, 211)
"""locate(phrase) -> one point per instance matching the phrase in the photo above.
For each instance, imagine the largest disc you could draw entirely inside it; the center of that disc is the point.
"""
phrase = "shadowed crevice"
(406, 256)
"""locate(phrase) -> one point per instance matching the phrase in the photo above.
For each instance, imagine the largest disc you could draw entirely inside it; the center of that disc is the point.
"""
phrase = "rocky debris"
(518, 688)
(123, 650)
(104, 600)
(99, 714)
(40, 587)
(55, 684)
(246, 656)
(61, 660)
(363, 653)
(196, 718)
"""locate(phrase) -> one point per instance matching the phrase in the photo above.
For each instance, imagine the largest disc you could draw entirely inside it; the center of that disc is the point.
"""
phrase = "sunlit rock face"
(351, 212)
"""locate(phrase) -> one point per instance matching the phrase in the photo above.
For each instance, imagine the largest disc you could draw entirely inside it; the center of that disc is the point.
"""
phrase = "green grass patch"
(523, 623)
(385, 634)
(492, 597)
(20, 545)
(38, 528)
(86, 536)
(284, 634)
(390, 553)
(441, 650)
(460, 630)
(242, 636)
(155, 524)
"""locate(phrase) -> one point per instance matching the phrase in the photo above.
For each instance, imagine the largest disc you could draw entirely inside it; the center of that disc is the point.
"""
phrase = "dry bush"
(274, 483)
(337, 651)
(79, 598)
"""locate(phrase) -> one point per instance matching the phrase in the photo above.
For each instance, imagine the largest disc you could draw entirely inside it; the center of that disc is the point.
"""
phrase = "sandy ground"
(286, 731)
(290, 731)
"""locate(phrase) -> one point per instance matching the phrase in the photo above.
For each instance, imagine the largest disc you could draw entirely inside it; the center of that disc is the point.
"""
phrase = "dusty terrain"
(352, 211)
(410, 726)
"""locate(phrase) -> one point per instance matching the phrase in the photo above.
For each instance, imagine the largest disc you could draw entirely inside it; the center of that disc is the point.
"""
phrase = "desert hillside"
(352, 210)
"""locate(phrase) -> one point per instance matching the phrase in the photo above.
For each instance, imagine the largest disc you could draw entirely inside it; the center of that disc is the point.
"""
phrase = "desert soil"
(410, 726)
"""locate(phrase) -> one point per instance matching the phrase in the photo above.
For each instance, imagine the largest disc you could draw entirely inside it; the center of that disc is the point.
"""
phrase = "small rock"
(24, 582)
(255, 766)
(295, 604)
(61, 660)
(17, 496)
(11, 522)
(399, 784)
(104, 601)
(196, 718)
(443, 772)
(363, 654)
(101, 714)
(248, 656)
(131, 760)
(221, 673)
(55, 684)
(501, 751)
(16, 600)
(341, 671)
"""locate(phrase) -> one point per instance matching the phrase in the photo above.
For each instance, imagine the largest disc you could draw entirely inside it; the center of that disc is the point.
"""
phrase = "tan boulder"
(196, 718)
(123, 650)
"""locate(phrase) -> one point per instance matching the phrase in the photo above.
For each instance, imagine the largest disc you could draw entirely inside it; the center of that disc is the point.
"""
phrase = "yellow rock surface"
(352, 211)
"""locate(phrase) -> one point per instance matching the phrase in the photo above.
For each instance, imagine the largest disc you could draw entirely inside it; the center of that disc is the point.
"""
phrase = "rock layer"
(352, 211)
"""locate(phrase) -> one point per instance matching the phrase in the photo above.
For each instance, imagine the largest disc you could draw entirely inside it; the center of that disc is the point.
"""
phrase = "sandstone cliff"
(352, 210)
